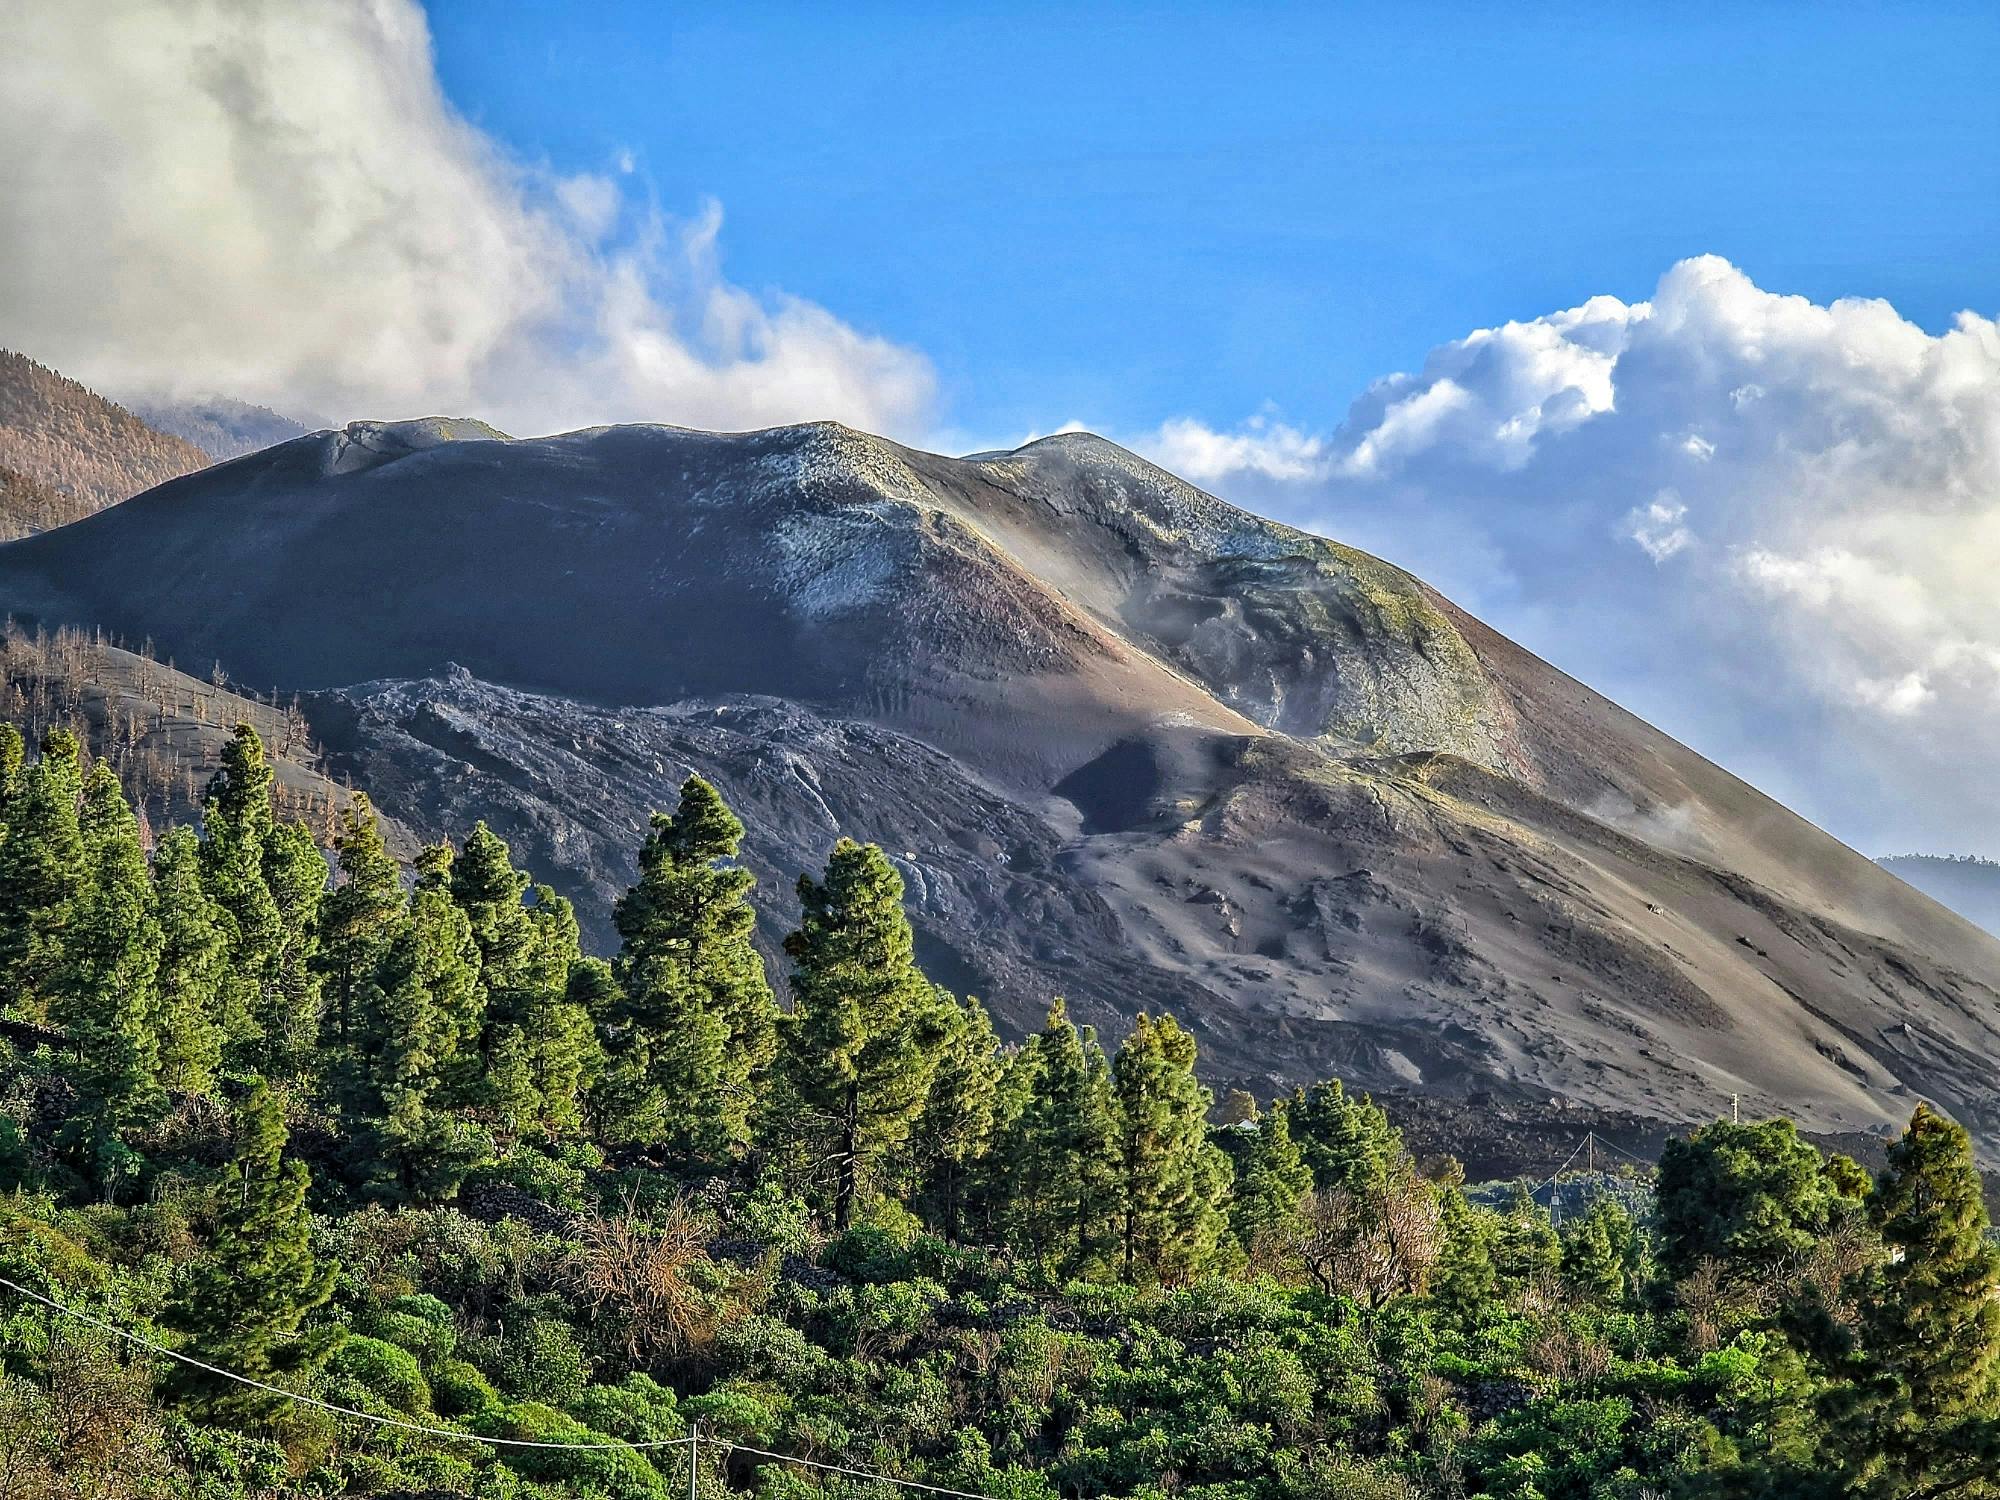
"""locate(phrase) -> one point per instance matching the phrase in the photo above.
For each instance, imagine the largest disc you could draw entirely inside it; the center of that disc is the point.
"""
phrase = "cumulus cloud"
(1770, 525)
(277, 202)
(1262, 446)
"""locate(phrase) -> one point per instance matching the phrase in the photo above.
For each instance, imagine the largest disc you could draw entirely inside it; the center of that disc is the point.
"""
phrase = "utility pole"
(694, 1456)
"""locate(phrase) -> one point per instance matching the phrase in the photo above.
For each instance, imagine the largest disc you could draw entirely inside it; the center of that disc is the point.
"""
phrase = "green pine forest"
(401, 1145)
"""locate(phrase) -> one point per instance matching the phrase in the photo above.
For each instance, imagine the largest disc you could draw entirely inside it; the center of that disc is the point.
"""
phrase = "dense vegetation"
(405, 1148)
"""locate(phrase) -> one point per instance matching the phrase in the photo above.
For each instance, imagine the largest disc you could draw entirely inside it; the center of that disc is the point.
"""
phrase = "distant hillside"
(221, 428)
(67, 452)
(164, 730)
(1967, 884)
(27, 505)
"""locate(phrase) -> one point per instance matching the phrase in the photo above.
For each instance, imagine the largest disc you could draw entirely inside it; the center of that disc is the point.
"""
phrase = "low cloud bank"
(1769, 525)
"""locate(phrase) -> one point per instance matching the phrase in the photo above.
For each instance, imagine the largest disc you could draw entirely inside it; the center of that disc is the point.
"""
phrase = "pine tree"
(1171, 1211)
(863, 1039)
(1348, 1143)
(193, 952)
(42, 872)
(1920, 1418)
(409, 1028)
(1597, 1250)
(248, 1301)
(236, 824)
(495, 1057)
(488, 889)
(567, 1060)
(956, 1127)
(103, 993)
(1524, 1246)
(619, 1094)
(697, 999)
(1060, 1158)
(288, 1021)
(537, 1049)
(358, 916)
(991, 1187)
(1273, 1182)
(13, 761)
(1464, 1281)
(1749, 1198)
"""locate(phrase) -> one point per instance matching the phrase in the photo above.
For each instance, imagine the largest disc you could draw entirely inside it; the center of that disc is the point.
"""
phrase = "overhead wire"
(693, 1441)
(345, 1411)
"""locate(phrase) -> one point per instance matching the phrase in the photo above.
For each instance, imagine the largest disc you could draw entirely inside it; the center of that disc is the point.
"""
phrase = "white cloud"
(1263, 446)
(277, 202)
(1771, 525)
(1657, 527)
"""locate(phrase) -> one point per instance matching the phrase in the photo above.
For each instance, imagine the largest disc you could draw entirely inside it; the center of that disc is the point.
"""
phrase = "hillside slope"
(65, 451)
(164, 731)
(1127, 743)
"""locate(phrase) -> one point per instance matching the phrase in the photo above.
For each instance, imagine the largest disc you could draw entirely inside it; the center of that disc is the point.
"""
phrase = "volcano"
(1127, 744)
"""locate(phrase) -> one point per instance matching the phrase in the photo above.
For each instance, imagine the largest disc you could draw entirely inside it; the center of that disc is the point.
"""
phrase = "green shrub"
(416, 1322)
(731, 1412)
(385, 1371)
(613, 1473)
(638, 1409)
(774, 1217)
(459, 1390)
(542, 1361)
(868, 1254)
(762, 1348)
(559, 1179)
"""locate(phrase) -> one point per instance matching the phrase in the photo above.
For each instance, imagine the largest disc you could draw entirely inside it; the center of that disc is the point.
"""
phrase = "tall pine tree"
(408, 1042)
(13, 761)
(1273, 1182)
(194, 951)
(488, 889)
(1465, 1279)
(288, 1015)
(358, 916)
(699, 1007)
(1172, 1193)
(866, 1029)
(537, 1047)
(248, 1301)
(1348, 1143)
(42, 872)
(1917, 1415)
(955, 1128)
(567, 1060)
(103, 994)
(236, 824)
(1059, 1159)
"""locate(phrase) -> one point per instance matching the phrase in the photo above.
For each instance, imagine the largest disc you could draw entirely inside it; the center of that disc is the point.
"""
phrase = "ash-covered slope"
(1128, 743)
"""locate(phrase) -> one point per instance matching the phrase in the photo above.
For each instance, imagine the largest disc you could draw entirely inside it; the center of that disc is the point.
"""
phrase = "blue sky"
(1126, 213)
